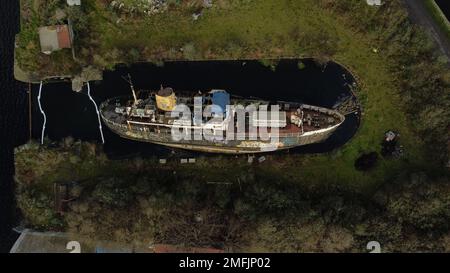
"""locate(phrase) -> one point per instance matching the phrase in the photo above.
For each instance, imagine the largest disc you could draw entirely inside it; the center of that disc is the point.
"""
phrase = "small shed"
(53, 38)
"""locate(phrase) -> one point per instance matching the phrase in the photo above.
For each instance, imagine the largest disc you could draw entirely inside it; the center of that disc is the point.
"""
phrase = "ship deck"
(314, 119)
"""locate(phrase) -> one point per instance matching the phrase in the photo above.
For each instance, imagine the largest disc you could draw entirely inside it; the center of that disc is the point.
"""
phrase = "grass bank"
(438, 16)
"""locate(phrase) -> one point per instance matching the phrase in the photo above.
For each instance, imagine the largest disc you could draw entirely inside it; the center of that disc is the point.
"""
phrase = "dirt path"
(420, 15)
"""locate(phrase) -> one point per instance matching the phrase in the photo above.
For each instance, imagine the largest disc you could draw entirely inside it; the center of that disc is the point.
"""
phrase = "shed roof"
(54, 38)
(54, 242)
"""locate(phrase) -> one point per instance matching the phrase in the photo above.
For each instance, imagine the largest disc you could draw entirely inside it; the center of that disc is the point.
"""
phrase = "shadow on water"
(70, 113)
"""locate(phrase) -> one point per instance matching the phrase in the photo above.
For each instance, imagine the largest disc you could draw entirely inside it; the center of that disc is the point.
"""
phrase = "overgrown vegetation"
(228, 204)
(419, 72)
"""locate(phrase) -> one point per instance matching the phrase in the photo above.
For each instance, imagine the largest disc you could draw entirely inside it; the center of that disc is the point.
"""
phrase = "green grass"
(252, 30)
(438, 16)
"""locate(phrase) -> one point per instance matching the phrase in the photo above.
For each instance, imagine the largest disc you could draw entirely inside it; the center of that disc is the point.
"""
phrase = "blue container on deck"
(220, 98)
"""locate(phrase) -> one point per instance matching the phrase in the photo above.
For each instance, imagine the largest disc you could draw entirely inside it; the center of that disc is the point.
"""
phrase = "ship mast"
(132, 88)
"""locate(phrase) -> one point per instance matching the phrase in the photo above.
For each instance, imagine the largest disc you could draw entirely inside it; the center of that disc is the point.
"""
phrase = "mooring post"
(98, 113)
(42, 112)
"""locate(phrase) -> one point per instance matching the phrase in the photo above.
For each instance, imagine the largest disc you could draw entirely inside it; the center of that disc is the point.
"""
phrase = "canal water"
(12, 120)
(445, 7)
(72, 114)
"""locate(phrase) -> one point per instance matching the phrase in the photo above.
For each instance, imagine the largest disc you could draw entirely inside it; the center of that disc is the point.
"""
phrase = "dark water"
(12, 119)
(445, 7)
(70, 113)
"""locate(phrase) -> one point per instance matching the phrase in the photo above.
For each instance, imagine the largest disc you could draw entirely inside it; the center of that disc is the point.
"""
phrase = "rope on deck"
(98, 113)
(43, 113)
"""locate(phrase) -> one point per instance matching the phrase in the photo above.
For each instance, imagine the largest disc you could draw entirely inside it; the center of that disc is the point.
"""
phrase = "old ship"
(149, 116)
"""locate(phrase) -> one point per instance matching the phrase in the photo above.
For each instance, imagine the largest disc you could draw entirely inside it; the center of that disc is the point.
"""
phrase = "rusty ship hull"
(319, 123)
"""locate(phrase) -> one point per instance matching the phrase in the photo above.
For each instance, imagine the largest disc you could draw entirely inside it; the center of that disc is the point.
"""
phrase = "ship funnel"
(166, 99)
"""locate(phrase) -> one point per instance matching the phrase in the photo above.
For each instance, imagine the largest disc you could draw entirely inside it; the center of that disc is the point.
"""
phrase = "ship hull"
(152, 131)
(230, 147)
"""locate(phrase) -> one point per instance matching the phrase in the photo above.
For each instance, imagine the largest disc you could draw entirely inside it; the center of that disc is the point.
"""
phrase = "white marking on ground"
(98, 113)
(43, 113)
